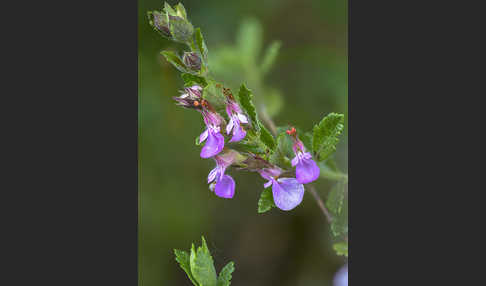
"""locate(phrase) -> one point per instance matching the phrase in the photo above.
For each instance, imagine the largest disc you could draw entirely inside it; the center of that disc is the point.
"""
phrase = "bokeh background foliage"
(307, 81)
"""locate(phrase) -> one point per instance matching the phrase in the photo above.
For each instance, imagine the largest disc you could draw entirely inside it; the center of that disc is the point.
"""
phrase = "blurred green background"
(307, 81)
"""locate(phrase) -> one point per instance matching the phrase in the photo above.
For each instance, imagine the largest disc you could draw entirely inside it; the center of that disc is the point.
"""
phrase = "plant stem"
(320, 203)
(268, 120)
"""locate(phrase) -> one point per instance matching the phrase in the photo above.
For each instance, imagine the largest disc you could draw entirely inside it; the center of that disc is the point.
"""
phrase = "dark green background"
(175, 204)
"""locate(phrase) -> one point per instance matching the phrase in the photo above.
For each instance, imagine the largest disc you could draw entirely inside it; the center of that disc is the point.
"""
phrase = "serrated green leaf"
(265, 203)
(326, 135)
(248, 147)
(270, 56)
(245, 97)
(190, 80)
(202, 265)
(224, 278)
(337, 204)
(339, 225)
(181, 11)
(335, 199)
(183, 258)
(341, 248)
(201, 45)
(172, 58)
(266, 137)
(169, 9)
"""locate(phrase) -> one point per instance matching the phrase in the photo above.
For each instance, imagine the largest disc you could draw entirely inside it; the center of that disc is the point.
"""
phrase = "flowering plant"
(241, 135)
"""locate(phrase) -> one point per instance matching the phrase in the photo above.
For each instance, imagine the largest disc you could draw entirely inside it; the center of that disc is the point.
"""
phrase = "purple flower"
(224, 186)
(215, 140)
(287, 192)
(307, 170)
(236, 119)
(190, 98)
(341, 277)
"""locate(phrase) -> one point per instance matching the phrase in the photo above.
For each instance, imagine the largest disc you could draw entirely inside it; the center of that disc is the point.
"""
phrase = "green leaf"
(169, 9)
(172, 58)
(190, 80)
(306, 138)
(243, 146)
(224, 278)
(341, 248)
(201, 45)
(266, 137)
(202, 265)
(245, 96)
(337, 204)
(335, 199)
(181, 11)
(325, 137)
(339, 225)
(197, 141)
(283, 151)
(270, 56)
(182, 257)
(265, 203)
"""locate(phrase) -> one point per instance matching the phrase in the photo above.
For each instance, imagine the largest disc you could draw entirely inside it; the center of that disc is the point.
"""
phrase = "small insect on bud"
(192, 61)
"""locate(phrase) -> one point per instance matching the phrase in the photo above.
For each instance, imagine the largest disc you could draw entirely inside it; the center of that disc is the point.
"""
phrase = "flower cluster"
(223, 185)
(234, 126)
(287, 192)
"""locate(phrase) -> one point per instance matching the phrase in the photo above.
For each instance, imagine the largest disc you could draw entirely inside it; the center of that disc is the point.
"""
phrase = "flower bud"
(159, 22)
(192, 61)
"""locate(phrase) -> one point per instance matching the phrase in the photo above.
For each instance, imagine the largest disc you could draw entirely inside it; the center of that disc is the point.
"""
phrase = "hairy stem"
(320, 203)
(268, 121)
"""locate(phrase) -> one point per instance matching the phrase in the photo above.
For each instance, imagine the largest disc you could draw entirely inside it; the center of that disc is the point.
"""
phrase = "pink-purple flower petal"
(295, 161)
(214, 145)
(287, 193)
(203, 136)
(242, 118)
(229, 126)
(238, 133)
(225, 188)
(212, 175)
(268, 184)
(307, 171)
